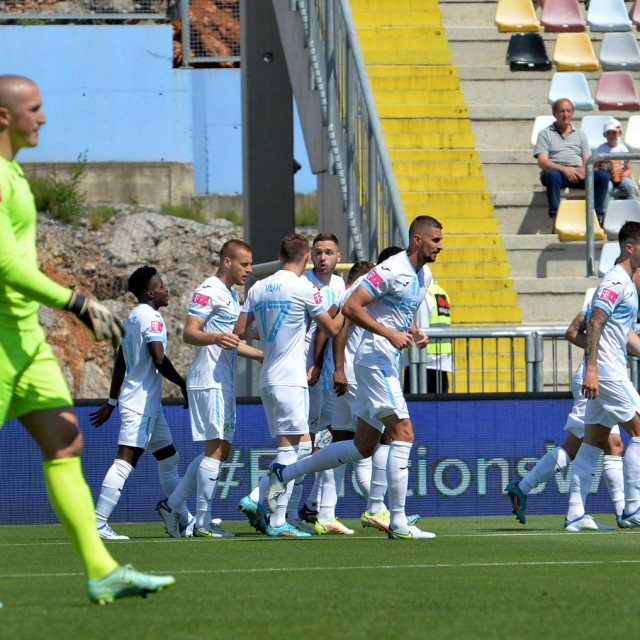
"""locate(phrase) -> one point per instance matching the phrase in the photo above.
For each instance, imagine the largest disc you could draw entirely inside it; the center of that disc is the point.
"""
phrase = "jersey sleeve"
(378, 281)
(202, 304)
(247, 307)
(152, 329)
(20, 273)
(313, 300)
(608, 296)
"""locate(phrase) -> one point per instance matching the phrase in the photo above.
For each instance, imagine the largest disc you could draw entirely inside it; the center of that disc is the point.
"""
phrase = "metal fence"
(361, 161)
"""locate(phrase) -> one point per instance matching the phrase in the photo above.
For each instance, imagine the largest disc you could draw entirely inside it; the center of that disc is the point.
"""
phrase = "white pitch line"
(435, 565)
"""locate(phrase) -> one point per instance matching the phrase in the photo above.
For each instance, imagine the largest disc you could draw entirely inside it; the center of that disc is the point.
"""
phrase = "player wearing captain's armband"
(32, 386)
(384, 304)
(281, 305)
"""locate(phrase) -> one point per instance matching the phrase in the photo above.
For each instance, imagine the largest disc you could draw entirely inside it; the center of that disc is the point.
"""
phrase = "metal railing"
(360, 158)
(589, 198)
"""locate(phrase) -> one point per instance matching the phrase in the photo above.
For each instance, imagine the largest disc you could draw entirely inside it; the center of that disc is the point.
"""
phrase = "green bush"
(61, 197)
(100, 214)
(307, 216)
(231, 216)
(190, 212)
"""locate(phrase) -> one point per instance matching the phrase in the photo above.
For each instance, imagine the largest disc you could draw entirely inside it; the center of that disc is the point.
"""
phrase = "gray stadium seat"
(632, 136)
(608, 15)
(618, 212)
(593, 126)
(540, 123)
(619, 52)
(610, 251)
(572, 85)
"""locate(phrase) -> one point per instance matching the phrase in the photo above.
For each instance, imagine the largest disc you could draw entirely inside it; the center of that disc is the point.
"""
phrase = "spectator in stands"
(620, 171)
(561, 151)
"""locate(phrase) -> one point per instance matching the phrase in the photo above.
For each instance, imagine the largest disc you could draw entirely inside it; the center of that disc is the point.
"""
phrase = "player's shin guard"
(286, 456)
(397, 480)
(71, 500)
(378, 487)
(553, 461)
(612, 469)
(362, 474)
(208, 473)
(584, 467)
(111, 491)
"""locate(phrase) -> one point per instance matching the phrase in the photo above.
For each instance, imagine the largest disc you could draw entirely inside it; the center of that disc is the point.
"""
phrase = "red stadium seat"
(562, 15)
(617, 90)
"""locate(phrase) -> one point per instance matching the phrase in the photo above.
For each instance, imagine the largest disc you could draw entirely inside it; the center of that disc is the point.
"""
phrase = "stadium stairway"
(432, 147)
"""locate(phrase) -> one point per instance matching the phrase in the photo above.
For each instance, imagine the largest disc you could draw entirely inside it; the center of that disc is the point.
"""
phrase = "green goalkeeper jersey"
(23, 287)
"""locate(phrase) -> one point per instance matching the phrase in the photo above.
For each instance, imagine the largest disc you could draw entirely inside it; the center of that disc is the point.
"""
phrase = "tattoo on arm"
(594, 331)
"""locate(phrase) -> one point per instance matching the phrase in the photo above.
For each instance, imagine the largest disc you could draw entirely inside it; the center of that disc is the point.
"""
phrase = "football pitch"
(481, 578)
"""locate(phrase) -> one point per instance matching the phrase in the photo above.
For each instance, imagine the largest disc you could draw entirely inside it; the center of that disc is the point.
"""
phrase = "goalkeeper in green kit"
(32, 386)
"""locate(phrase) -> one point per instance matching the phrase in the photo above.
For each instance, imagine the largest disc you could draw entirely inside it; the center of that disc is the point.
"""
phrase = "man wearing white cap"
(619, 170)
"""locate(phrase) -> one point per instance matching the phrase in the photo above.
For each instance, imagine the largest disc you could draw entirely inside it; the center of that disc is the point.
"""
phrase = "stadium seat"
(562, 15)
(527, 52)
(570, 221)
(608, 15)
(619, 51)
(618, 212)
(632, 136)
(635, 14)
(593, 126)
(617, 90)
(574, 52)
(540, 123)
(572, 85)
(608, 255)
(516, 15)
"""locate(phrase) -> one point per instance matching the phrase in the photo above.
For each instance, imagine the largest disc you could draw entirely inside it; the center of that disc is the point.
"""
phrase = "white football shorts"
(617, 402)
(143, 432)
(213, 414)
(343, 417)
(287, 409)
(378, 395)
(320, 407)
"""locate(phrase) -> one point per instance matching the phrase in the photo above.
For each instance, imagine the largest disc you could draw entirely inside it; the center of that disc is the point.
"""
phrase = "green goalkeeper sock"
(71, 500)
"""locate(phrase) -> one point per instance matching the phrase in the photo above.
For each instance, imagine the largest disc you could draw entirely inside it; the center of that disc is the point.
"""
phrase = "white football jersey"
(397, 292)
(213, 366)
(617, 296)
(282, 305)
(353, 340)
(331, 295)
(142, 387)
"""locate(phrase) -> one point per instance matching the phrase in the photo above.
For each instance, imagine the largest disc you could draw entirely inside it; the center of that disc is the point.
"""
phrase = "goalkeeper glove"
(103, 324)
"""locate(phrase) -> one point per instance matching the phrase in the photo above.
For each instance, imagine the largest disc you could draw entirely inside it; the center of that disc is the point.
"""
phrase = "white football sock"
(555, 460)
(397, 480)
(286, 456)
(328, 457)
(614, 478)
(631, 468)
(259, 492)
(378, 487)
(111, 491)
(178, 499)
(584, 467)
(208, 473)
(362, 473)
(313, 499)
(332, 480)
(304, 450)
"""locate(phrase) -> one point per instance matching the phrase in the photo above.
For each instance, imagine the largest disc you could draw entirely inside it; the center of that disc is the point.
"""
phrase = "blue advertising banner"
(465, 452)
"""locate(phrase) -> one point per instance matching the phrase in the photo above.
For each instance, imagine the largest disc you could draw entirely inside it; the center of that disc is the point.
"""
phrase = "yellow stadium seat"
(571, 224)
(516, 15)
(574, 52)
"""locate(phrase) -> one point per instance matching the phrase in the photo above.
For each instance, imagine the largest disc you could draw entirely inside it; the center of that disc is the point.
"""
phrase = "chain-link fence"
(212, 39)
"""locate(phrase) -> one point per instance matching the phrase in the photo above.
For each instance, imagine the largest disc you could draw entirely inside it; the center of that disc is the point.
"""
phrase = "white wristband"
(113, 402)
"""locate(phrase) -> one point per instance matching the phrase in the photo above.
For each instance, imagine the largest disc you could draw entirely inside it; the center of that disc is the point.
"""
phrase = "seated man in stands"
(561, 151)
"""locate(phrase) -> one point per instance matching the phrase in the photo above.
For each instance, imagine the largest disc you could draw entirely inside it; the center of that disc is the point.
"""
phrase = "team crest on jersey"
(317, 297)
(609, 295)
(373, 278)
(199, 298)
(156, 326)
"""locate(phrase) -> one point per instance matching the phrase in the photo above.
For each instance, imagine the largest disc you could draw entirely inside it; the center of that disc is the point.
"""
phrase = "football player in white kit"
(612, 399)
(281, 305)
(212, 314)
(384, 304)
(136, 386)
(558, 459)
(325, 255)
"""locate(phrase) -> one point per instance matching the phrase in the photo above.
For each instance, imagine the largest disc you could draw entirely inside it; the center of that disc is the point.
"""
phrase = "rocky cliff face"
(98, 262)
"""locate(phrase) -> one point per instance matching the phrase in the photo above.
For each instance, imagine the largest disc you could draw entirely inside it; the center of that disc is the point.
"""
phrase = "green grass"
(187, 211)
(481, 578)
(99, 214)
(231, 216)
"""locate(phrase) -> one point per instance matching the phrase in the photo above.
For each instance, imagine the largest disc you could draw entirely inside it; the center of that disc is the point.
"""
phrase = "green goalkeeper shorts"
(30, 375)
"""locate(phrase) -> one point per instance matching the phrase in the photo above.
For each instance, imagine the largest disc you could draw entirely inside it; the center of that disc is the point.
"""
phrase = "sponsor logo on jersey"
(373, 277)
(317, 297)
(199, 298)
(609, 295)
(156, 326)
